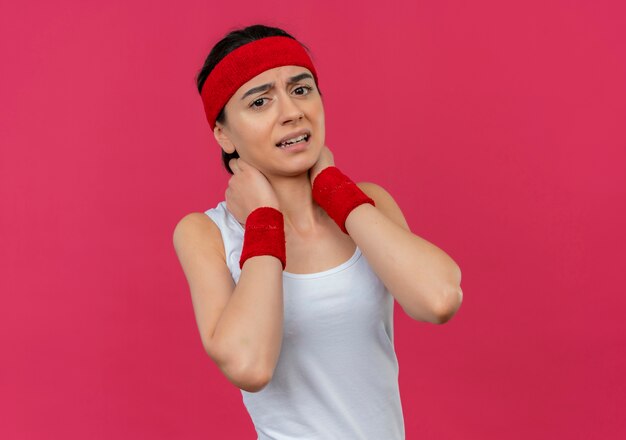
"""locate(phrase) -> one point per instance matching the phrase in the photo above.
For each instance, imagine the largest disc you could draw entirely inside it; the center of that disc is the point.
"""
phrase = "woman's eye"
(258, 103)
(308, 89)
(255, 101)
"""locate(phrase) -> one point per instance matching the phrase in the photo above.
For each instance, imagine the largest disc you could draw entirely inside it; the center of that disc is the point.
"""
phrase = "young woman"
(293, 276)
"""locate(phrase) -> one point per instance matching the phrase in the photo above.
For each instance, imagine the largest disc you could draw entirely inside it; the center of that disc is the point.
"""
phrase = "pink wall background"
(497, 127)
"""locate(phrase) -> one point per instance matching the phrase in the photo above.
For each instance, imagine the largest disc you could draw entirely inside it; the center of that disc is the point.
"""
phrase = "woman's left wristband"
(338, 195)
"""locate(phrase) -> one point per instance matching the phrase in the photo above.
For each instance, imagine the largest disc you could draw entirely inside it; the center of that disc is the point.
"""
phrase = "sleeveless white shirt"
(337, 373)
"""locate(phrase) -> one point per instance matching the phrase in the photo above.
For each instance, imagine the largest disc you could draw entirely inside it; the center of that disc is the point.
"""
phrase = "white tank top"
(337, 373)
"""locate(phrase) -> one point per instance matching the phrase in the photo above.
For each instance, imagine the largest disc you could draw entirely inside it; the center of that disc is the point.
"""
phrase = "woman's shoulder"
(198, 227)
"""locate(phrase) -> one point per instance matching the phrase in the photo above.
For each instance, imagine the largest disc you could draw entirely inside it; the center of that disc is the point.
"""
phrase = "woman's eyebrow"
(268, 86)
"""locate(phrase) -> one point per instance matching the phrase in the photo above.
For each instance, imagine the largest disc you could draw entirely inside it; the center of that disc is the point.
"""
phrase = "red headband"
(246, 62)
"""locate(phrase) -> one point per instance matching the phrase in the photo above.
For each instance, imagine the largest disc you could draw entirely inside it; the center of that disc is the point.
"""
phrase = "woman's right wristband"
(264, 235)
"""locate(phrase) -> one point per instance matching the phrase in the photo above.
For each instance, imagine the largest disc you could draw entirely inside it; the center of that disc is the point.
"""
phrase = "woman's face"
(274, 104)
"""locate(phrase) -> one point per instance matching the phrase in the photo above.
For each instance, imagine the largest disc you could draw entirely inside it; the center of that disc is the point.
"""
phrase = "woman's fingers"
(238, 163)
(234, 165)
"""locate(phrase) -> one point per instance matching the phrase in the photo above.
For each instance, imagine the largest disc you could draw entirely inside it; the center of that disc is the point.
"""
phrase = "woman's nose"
(289, 110)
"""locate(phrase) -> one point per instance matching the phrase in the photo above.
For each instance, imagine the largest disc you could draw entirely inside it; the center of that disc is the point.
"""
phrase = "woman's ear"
(222, 138)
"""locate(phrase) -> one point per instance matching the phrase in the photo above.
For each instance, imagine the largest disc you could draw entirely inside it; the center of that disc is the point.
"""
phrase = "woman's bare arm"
(240, 325)
(423, 278)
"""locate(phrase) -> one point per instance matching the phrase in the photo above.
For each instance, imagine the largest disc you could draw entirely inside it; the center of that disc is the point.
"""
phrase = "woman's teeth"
(293, 141)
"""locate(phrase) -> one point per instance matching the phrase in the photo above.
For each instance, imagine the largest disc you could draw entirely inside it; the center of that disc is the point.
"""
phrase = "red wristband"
(264, 235)
(338, 195)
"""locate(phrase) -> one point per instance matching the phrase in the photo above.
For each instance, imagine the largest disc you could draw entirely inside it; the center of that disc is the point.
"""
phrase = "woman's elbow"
(251, 378)
(449, 305)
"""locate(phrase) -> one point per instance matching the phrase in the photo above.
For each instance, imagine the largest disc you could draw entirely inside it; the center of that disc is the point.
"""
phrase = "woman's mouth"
(297, 144)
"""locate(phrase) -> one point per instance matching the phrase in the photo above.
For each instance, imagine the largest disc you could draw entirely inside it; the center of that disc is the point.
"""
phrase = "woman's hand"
(325, 160)
(248, 189)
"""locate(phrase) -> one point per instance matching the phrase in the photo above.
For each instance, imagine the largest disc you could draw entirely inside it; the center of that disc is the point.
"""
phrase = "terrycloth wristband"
(338, 195)
(264, 235)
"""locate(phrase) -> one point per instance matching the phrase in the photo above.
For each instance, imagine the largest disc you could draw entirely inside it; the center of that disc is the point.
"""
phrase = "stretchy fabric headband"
(246, 62)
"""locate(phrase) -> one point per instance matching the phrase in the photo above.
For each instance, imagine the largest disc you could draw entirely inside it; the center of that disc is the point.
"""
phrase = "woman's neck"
(302, 215)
